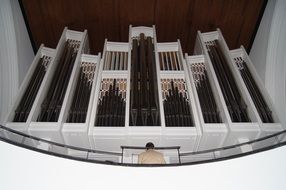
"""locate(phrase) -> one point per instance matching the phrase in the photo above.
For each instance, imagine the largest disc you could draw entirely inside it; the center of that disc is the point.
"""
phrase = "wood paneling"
(171, 21)
(136, 13)
(174, 20)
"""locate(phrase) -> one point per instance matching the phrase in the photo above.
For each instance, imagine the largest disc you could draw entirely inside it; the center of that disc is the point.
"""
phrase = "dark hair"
(149, 145)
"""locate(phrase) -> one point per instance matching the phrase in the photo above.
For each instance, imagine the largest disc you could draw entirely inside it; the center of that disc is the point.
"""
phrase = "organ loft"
(140, 91)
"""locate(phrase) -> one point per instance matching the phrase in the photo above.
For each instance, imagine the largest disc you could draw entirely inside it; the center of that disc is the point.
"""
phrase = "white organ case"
(237, 130)
(213, 134)
(51, 130)
(266, 128)
(201, 135)
(23, 126)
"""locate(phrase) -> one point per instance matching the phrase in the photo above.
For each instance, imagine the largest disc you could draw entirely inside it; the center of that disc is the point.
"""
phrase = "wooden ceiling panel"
(129, 15)
(171, 21)
(174, 20)
(101, 21)
(227, 15)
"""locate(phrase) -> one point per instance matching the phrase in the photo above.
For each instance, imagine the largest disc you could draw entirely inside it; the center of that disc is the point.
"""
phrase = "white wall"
(24, 47)
(260, 43)
(24, 169)
(16, 53)
(269, 54)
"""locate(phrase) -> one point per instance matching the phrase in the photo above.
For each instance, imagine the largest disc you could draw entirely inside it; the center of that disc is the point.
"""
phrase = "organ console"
(143, 83)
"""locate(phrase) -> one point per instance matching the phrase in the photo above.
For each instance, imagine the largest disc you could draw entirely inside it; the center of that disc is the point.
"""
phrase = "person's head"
(149, 145)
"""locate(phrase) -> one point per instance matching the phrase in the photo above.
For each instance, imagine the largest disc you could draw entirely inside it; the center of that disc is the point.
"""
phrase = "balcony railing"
(175, 158)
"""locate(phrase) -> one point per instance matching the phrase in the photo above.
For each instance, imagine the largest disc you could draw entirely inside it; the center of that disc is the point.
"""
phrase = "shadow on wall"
(268, 54)
(16, 53)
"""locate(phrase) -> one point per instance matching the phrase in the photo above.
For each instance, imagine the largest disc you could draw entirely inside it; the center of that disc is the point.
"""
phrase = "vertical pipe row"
(52, 104)
(176, 104)
(115, 60)
(170, 61)
(263, 110)
(79, 106)
(111, 105)
(236, 106)
(144, 100)
(23, 109)
(208, 105)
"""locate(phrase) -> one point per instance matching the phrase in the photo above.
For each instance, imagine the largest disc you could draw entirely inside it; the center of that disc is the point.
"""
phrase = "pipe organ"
(144, 87)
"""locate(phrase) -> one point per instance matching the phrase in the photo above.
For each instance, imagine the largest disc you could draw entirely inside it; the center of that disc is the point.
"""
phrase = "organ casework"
(236, 106)
(111, 106)
(208, 104)
(23, 110)
(144, 102)
(78, 110)
(52, 104)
